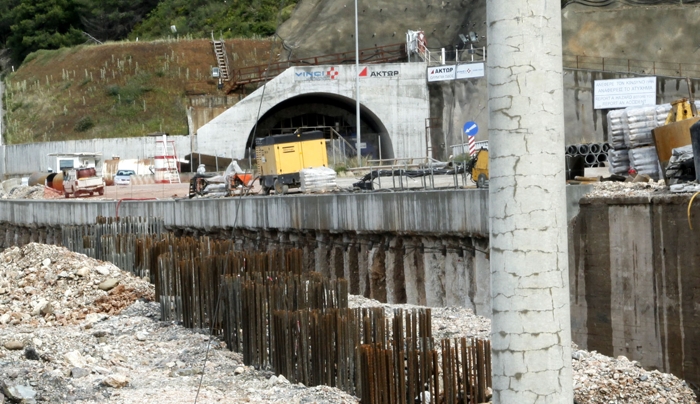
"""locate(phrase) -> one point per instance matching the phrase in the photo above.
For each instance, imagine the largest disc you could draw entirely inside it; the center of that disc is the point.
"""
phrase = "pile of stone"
(135, 358)
(33, 192)
(44, 284)
(612, 189)
(601, 379)
(447, 322)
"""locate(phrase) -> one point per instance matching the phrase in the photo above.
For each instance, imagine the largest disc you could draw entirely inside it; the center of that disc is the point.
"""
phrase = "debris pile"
(601, 379)
(33, 192)
(614, 189)
(44, 284)
(112, 346)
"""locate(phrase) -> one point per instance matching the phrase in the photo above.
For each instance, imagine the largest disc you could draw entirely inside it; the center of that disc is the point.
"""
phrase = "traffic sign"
(471, 128)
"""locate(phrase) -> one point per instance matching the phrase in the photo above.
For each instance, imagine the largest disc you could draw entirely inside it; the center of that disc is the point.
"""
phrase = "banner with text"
(464, 71)
(622, 93)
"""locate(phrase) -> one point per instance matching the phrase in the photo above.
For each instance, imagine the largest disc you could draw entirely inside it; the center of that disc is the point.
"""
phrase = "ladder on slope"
(221, 57)
(171, 173)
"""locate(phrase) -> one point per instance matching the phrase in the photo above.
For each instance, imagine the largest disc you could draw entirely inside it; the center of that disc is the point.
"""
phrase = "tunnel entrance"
(335, 116)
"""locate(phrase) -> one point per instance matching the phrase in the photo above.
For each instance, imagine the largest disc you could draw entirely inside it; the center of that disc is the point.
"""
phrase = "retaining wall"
(635, 285)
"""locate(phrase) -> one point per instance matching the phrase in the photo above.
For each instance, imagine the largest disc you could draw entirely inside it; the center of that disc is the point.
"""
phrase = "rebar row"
(282, 316)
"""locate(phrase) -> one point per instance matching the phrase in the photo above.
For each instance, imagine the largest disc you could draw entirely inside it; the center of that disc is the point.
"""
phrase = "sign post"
(470, 130)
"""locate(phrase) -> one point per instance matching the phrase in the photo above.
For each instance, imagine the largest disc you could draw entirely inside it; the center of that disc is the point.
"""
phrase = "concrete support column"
(531, 330)
(434, 264)
(322, 252)
(363, 265)
(395, 281)
(352, 270)
(377, 274)
(414, 271)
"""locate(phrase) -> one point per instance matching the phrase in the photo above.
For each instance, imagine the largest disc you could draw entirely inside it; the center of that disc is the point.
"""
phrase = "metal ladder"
(221, 57)
(172, 174)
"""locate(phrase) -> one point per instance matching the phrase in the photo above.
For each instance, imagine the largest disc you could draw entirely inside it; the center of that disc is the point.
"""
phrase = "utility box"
(281, 157)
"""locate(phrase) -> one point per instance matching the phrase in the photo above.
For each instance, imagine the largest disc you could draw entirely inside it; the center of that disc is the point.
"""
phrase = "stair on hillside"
(221, 58)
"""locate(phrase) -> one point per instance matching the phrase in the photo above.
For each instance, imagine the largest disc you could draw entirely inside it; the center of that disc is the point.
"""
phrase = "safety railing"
(379, 54)
(606, 64)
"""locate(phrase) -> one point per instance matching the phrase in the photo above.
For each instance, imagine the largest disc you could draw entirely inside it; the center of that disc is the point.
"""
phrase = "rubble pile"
(601, 379)
(44, 284)
(85, 344)
(613, 189)
(33, 192)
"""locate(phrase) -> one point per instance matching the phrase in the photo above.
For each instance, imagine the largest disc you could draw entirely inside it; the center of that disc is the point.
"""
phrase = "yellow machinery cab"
(480, 169)
(281, 157)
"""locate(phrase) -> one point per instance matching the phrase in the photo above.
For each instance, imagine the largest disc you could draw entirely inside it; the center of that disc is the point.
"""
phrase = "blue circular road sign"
(471, 128)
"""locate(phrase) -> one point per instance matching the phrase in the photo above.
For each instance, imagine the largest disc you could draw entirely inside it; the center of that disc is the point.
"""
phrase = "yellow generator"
(281, 157)
(480, 168)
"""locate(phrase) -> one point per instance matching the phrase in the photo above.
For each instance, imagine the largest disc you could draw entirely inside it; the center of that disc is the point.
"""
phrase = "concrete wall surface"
(635, 289)
(428, 248)
(2, 162)
(440, 212)
(399, 103)
(24, 159)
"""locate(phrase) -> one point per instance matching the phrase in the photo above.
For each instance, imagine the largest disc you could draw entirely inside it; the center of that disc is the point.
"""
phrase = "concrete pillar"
(414, 271)
(457, 278)
(321, 254)
(377, 275)
(363, 266)
(337, 261)
(434, 264)
(352, 271)
(531, 330)
(395, 278)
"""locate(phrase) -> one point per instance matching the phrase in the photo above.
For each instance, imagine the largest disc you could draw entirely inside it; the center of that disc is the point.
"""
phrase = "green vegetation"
(42, 24)
(27, 26)
(199, 18)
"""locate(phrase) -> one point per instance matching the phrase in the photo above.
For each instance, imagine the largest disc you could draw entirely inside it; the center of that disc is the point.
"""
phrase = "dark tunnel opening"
(335, 116)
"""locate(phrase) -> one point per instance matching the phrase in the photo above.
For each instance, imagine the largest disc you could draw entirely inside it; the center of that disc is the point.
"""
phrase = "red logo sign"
(332, 73)
(363, 73)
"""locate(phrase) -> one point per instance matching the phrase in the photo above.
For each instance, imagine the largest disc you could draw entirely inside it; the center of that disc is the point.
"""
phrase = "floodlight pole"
(357, 91)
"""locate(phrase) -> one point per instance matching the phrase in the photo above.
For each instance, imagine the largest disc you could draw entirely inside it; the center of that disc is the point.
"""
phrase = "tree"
(6, 21)
(113, 19)
(43, 24)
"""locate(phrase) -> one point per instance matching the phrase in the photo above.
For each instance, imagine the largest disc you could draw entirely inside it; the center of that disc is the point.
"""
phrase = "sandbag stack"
(632, 140)
(321, 179)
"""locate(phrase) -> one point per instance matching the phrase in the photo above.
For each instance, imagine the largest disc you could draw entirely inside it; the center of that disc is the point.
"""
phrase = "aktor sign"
(369, 72)
(441, 73)
(316, 73)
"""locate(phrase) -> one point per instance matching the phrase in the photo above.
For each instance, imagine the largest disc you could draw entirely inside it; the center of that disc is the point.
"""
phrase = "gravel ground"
(123, 353)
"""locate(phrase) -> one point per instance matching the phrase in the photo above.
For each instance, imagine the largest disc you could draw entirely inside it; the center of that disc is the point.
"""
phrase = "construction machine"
(478, 166)
(280, 158)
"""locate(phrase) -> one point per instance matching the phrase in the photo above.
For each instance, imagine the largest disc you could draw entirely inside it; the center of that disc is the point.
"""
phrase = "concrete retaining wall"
(635, 289)
(24, 159)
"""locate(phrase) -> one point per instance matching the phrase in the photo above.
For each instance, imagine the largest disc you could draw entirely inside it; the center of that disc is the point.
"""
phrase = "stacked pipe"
(594, 154)
(631, 132)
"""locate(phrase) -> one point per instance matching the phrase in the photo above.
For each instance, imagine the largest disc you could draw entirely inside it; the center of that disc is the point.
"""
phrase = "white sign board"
(470, 70)
(441, 73)
(464, 71)
(622, 93)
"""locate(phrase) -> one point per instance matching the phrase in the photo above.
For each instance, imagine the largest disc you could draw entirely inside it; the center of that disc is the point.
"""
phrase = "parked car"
(123, 177)
(82, 181)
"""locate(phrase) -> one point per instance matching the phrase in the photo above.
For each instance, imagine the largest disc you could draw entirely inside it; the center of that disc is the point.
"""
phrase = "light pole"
(357, 91)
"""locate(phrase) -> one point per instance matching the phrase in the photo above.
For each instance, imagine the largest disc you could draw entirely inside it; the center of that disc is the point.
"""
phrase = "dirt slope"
(115, 90)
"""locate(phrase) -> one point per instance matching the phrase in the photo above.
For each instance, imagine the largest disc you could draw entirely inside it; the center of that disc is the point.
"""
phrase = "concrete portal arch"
(394, 107)
(324, 109)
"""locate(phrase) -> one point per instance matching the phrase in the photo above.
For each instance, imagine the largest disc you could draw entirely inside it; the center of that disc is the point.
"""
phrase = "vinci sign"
(315, 73)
